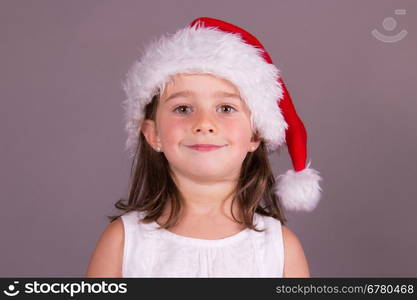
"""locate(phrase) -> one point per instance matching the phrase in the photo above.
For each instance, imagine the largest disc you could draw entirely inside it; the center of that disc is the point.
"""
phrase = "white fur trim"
(299, 191)
(210, 50)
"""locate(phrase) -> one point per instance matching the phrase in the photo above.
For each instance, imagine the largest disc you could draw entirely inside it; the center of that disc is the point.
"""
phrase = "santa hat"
(216, 47)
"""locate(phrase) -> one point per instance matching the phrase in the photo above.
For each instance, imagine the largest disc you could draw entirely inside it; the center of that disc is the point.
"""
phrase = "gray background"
(63, 164)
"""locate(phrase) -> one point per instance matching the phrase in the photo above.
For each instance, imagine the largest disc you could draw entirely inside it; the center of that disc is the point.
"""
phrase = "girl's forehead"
(200, 81)
(204, 83)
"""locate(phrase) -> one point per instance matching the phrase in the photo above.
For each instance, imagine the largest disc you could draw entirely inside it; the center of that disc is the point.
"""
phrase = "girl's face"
(202, 109)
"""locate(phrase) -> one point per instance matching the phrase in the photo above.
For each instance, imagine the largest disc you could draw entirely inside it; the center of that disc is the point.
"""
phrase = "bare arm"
(295, 262)
(107, 257)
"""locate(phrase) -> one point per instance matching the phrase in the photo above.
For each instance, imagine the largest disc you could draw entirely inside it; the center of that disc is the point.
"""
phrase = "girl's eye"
(179, 108)
(229, 107)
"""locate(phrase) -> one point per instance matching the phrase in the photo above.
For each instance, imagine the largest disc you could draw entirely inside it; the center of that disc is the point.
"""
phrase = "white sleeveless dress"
(152, 252)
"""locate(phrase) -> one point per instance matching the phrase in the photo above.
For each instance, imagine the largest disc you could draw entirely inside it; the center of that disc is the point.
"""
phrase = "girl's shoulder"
(106, 260)
(295, 264)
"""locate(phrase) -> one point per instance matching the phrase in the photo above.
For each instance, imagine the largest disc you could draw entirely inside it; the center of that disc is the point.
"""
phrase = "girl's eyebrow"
(218, 94)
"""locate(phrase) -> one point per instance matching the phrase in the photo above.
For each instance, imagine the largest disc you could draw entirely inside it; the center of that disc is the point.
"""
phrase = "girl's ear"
(148, 129)
(255, 142)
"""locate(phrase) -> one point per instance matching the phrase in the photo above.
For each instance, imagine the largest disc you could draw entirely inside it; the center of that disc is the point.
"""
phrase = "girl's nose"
(204, 123)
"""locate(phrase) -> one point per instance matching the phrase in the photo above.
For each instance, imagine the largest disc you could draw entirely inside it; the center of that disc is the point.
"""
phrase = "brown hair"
(152, 186)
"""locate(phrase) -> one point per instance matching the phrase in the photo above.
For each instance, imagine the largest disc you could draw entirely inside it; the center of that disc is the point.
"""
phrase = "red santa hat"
(216, 47)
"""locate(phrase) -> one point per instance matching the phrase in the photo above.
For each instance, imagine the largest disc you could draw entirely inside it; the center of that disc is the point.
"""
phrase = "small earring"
(158, 149)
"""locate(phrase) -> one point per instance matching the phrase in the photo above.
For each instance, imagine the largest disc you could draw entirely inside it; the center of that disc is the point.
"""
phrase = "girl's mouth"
(205, 148)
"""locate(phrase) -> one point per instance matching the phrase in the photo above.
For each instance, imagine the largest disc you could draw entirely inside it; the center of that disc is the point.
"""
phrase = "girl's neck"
(214, 225)
(189, 215)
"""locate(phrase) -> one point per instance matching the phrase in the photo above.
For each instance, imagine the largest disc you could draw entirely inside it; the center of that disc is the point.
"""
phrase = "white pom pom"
(299, 191)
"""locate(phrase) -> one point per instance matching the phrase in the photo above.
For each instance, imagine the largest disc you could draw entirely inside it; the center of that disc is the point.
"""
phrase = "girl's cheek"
(173, 129)
(174, 123)
(239, 128)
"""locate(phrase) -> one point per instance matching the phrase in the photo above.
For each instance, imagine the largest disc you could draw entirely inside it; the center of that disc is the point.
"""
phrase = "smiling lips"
(205, 147)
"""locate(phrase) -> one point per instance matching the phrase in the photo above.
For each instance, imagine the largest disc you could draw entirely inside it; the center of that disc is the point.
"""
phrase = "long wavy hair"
(151, 185)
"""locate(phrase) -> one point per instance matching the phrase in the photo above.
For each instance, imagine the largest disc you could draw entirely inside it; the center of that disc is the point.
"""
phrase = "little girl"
(205, 106)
